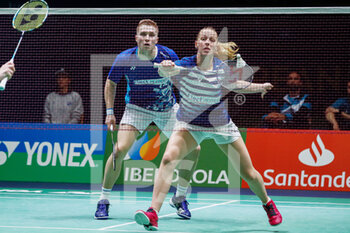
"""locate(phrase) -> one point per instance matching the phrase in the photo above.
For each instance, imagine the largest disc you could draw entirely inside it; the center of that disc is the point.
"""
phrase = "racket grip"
(3, 84)
(156, 65)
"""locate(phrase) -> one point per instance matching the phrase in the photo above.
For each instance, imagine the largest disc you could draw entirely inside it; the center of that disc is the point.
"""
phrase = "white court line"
(297, 204)
(118, 199)
(300, 202)
(199, 208)
(61, 228)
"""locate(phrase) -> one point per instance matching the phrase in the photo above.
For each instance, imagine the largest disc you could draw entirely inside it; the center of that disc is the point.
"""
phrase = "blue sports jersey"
(201, 95)
(343, 104)
(145, 88)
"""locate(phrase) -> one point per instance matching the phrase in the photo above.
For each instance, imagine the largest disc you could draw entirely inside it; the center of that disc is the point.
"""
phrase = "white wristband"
(109, 111)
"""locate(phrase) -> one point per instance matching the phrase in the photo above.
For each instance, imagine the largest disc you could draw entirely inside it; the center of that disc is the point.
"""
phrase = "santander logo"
(318, 155)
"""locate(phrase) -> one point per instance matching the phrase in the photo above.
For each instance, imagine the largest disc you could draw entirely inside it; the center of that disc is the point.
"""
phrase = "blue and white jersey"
(145, 88)
(201, 95)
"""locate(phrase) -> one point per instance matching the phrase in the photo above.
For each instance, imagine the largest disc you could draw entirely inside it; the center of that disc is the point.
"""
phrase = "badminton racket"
(30, 16)
(236, 74)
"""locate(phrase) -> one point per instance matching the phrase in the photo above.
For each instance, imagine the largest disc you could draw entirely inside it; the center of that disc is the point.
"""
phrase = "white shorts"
(141, 118)
(222, 134)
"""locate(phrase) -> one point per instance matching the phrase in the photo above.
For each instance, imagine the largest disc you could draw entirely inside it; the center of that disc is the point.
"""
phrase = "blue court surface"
(72, 211)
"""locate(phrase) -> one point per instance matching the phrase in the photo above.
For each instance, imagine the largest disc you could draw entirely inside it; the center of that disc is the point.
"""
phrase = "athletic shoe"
(102, 209)
(148, 219)
(181, 206)
(274, 215)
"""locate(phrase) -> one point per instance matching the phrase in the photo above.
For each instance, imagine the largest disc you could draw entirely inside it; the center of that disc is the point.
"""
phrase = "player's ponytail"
(227, 50)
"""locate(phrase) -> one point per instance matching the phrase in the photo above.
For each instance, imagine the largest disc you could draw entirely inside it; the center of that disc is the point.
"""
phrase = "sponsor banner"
(142, 162)
(51, 152)
(300, 159)
(78, 153)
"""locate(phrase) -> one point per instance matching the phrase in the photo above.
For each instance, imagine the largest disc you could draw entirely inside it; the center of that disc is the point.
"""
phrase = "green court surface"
(72, 211)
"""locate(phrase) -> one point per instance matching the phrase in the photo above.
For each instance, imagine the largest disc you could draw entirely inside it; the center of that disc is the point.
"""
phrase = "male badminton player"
(7, 70)
(195, 122)
(150, 98)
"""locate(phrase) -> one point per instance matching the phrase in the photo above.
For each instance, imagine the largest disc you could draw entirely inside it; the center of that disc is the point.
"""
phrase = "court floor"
(71, 211)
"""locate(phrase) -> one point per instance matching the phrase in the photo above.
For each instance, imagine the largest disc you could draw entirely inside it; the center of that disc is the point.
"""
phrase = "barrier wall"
(287, 159)
(301, 159)
(51, 153)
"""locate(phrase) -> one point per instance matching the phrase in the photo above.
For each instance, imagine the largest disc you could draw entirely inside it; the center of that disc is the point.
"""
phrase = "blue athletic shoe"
(102, 209)
(181, 206)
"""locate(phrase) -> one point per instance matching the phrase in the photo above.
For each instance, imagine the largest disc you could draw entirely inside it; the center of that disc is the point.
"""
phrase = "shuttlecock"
(240, 62)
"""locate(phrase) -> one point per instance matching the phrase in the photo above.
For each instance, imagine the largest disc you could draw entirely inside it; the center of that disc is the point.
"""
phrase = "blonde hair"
(227, 50)
(147, 22)
(224, 51)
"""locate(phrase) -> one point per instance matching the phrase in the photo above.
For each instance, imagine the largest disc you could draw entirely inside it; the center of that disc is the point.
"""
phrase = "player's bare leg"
(127, 135)
(179, 145)
(238, 155)
(186, 168)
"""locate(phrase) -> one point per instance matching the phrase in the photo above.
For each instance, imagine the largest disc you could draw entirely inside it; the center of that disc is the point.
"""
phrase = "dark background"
(181, 3)
(315, 45)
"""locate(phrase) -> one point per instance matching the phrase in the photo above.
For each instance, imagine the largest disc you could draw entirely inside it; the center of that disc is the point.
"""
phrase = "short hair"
(147, 22)
(62, 73)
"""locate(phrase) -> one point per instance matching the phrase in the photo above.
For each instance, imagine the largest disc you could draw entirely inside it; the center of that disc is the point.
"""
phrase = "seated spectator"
(63, 106)
(293, 111)
(338, 114)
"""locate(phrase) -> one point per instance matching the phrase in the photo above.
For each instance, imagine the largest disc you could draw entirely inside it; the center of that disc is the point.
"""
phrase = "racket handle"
(3, 84)
(157, 65)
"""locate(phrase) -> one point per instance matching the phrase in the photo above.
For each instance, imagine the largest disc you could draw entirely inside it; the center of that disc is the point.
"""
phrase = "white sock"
(269, 199)
(181, 191)
(105, 193)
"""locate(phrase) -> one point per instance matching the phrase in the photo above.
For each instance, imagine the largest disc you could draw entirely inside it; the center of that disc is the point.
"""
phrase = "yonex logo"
(11, 147)
(133, 68)
(318, 155)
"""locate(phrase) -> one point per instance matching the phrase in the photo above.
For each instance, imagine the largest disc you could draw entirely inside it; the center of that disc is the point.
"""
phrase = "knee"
(166, 161)
(169, 159)
(120, 151)
(250, 175)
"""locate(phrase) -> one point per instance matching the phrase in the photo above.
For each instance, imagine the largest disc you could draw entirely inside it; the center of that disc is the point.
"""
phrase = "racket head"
(231, 73)
(31, 15)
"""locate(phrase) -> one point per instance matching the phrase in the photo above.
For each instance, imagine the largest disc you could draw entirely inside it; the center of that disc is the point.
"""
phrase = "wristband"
(109, 111)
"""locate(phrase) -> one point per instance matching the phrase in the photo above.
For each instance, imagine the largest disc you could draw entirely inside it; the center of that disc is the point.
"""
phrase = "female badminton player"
(150, 98)
(203, 115)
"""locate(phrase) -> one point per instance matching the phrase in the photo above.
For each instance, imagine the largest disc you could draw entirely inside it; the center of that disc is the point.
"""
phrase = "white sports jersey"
(201, 95)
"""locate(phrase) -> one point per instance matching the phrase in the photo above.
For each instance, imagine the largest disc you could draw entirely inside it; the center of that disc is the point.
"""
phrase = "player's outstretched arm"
(262, 88)
(7, 70)
(167, 69)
